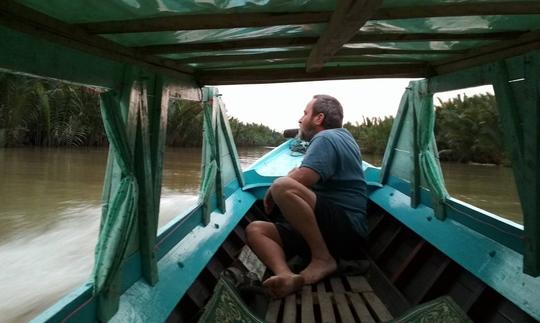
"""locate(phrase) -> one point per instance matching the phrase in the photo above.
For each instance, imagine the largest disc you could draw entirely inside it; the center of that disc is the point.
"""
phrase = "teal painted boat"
(426, 249)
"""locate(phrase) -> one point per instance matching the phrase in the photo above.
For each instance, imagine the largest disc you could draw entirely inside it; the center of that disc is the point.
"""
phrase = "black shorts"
(336, 228)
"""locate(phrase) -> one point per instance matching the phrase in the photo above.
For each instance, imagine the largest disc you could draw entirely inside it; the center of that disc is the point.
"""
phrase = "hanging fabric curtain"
(119, 209)
(429, 164)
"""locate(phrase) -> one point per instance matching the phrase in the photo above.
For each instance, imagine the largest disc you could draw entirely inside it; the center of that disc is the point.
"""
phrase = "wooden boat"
(423, 243)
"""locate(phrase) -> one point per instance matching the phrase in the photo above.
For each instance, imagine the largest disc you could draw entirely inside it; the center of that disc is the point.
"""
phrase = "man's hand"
(292, 171)
(268, 202)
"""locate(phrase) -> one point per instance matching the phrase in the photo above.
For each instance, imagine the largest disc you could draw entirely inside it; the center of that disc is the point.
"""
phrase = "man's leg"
(297, 204)
(264, 239)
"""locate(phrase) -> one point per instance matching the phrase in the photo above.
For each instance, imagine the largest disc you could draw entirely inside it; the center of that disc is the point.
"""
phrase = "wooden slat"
(378, 307)
(362, 37)
(205, 21)
(407, 261)
(325, 304)
(272, 312)
(460, 9)
(359, 284)
(490, 53)
(341, 301)
(360, 308)
(346, 52)
(235, 20)
(198, 293)
(289, 311)
(241, 76)
(430, 279)
(215, 267)
(347, 19)
(307, 314)
(26, 20)
(392, 296)
(383, 245)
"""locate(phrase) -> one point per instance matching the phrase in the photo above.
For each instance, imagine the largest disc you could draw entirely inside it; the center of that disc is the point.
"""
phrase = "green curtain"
(119, 209)
(429, 164)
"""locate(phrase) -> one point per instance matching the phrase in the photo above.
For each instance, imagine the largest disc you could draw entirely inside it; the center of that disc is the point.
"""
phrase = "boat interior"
(426, 250)
(398, 274)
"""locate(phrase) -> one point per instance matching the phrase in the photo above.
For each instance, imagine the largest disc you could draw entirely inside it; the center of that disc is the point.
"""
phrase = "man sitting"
(323, 203)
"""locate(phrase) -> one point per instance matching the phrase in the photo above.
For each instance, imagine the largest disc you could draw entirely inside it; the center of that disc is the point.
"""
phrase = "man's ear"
(319, 119)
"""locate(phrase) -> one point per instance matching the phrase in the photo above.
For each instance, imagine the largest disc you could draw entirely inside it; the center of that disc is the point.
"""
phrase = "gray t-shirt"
(335, 156)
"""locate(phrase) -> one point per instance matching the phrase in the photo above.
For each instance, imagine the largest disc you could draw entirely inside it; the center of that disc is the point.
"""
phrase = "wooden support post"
(531, 163)
(345, 22)
(415, 175)
(224, 124)
(520, 118)
(216, 124)
(394, 137)
(120, 194)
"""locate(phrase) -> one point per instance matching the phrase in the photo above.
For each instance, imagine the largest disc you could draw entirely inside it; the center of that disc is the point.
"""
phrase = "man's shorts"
(336, 228)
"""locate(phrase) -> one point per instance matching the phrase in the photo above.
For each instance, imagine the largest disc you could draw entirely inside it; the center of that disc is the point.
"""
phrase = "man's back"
(336, 157)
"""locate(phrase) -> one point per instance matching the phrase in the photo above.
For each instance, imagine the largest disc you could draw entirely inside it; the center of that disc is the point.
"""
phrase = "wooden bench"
(337, 299)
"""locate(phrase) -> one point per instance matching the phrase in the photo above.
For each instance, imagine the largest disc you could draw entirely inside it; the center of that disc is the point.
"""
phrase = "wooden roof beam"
(23, 19)
(239, 20)
(490, 53)
(346, 21)
(361, 37)
(460, 9)
(295, 54)
(253, 76)
(206, 21)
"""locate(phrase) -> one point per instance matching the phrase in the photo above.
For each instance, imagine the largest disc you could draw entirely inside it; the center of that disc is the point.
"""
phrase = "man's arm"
(304, 175)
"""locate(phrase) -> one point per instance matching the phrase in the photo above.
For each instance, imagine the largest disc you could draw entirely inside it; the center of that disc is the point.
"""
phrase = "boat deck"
(405, 273)
(337, 299)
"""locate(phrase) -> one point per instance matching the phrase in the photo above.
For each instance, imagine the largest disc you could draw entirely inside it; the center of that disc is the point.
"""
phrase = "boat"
(424, 245)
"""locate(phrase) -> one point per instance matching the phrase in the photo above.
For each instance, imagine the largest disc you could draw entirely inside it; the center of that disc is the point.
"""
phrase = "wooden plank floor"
(337, 299)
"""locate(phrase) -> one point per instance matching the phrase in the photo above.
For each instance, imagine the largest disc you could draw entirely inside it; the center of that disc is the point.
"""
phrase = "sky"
(280, 105)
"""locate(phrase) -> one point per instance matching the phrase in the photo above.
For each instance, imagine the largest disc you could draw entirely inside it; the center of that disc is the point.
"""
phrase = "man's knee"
(259, 229)
(283, 185)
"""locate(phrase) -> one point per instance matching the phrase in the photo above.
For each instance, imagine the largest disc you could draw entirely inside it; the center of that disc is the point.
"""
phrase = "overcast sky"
(279, 106)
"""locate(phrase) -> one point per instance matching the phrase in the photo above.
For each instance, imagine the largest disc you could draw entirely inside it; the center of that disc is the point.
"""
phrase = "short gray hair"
(331, 108)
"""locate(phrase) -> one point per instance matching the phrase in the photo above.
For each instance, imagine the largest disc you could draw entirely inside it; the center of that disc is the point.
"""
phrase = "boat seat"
(336, 299)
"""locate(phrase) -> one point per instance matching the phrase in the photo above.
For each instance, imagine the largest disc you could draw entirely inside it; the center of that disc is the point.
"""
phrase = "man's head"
(322, 112)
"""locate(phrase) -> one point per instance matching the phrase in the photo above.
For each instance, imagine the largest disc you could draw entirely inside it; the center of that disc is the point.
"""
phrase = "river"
(50, 210)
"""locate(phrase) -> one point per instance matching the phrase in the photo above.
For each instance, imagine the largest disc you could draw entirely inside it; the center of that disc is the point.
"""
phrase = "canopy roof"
(257, 41)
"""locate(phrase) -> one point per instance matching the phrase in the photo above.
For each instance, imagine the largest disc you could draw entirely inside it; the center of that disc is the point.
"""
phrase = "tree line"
(52, 113)
(35, 112)
(467, 129)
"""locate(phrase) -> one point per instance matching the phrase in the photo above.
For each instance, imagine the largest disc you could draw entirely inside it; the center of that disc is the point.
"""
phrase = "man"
(323, 202)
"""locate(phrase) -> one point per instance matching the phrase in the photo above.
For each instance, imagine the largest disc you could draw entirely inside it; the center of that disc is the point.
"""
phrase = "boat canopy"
(241, 42)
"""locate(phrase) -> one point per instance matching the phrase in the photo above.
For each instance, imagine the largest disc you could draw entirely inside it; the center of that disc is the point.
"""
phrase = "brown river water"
(50, 210)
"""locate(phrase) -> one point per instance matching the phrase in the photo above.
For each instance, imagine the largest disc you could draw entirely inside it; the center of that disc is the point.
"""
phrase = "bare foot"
(318, 269)
(283, 285)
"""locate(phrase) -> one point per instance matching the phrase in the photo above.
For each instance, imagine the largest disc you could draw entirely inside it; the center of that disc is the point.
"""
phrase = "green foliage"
(184, 129)
(184, 124)
(48, 113)
(252, 134)
(51, 113)
(467, 129)
(372, 134)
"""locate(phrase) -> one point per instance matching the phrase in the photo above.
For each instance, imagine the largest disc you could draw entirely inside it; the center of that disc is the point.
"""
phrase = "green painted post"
(226, 129)
(394, 137)
(522, 138)
(146, 212)
(209, 160)
(121, 195)
(531, 162)
(216, 112)
(415, 175)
